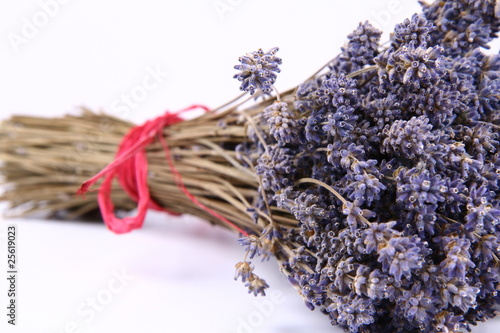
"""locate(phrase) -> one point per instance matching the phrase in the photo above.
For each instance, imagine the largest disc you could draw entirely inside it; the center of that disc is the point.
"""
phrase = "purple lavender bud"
(257, 70)
(477, 34)
(378, 234)
(364, 188)
(256, 285)
(337, 91)
(416, 188)
(480, 139)
(309, 210)
(458, 17)
(352, 311)
(243, 270)
(489, 99)
(400, 256)
(313, 129)
(424, 219)
(354, 214)
(485, 250)
(253, 245)
(384, 111)
(457, 293)
(457, 261)
(304, 97)
(412, 65)
(344, 154)
(408, 137)
(275, 167)
(341, 122)
(490, 65)
(416, 29)
(281, 121)
(418, 304)
(482, 218)
(439, 103)
(360, 49)
(448, 322)
(456, 195)
(377, 285)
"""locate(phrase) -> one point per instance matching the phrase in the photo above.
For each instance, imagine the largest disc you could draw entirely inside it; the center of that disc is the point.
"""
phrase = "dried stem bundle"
(46, 160)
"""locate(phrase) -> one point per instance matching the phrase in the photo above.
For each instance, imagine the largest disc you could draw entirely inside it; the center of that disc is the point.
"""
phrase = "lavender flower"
(364, 188)
(256, 285)
(418, 304)
(378, 234)
(419, 188)
(489, 101)
(377, 285)
(257, 70)
(457, 260)
(439, 103)
(243, 271)
(384, 111)
(361, 48)
(408, 137)
(308, 210)
(282, 124)
(447, 322)
(416, 30)
(355, 214)
(412, 65)
(458, 293)
(352, 312)
(482, 218)
(487, 248)
(253, 246)
(399, 256)
(340, 123)
(336, 91)
(274, 166)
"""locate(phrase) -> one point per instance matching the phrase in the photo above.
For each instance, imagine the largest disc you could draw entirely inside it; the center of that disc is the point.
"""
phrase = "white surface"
(96, 53)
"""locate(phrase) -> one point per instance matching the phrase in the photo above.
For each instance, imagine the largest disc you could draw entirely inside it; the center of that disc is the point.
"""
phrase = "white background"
(93, 53)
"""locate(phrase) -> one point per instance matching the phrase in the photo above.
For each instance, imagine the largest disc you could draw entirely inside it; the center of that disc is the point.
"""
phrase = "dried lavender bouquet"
(374, 183)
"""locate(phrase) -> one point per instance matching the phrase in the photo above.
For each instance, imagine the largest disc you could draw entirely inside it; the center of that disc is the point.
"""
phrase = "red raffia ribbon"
(131, 167)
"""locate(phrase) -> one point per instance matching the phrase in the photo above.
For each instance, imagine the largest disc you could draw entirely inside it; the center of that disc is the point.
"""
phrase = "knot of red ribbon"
(130, 166)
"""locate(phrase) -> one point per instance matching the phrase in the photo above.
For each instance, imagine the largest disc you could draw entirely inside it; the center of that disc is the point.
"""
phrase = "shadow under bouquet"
(374, 183)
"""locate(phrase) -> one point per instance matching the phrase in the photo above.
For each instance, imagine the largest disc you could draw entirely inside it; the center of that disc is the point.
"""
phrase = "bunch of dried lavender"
(374, 183)
(389, 161)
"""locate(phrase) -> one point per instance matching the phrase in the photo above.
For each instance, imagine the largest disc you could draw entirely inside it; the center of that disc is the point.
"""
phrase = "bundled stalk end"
(43, 161)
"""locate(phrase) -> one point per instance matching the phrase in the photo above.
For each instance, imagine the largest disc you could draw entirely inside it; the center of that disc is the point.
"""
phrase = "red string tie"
(131, 167)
